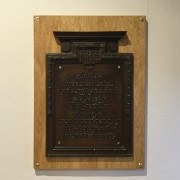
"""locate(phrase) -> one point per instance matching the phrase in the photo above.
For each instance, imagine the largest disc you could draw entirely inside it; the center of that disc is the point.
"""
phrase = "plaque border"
(53, 151)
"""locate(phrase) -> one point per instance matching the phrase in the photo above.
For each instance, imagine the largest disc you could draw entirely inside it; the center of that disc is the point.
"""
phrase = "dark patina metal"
(89, 96)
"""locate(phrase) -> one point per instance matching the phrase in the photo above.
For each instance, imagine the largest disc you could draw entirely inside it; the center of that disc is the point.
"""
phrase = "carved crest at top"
(88, 47)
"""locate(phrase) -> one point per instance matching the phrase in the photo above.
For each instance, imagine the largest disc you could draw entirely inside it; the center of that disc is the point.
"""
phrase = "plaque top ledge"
(98, 36)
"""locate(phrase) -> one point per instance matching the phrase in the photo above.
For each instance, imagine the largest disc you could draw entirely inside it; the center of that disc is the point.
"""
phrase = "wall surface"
(17, 78)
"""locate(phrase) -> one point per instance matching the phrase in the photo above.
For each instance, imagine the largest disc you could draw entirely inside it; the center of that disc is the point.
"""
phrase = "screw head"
(141, 19)
(37, 164)
(60, 67)
(140, 165)
(37, 19)
(118, 143)
(119, 66)
(59, 142)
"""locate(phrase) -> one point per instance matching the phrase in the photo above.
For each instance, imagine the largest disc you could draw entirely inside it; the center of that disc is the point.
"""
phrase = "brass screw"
(141, 19)
(140, 165)
(37, 164)
(37, 19)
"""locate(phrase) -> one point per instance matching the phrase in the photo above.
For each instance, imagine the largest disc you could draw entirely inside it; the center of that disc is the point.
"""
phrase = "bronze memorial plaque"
(89, 96)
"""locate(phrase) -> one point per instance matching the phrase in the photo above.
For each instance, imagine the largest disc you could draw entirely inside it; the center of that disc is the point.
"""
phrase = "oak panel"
(44, 42)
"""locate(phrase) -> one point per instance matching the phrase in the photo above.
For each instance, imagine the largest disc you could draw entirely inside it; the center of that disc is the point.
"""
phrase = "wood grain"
(44, 42)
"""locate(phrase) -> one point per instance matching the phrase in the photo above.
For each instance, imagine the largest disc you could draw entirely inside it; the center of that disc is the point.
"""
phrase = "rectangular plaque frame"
(106, 137)
(44, 43)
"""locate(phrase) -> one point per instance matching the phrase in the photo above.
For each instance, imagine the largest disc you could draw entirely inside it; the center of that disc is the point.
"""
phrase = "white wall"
(163, 86)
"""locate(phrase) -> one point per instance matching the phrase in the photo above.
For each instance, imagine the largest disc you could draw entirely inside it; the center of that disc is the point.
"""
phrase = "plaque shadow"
(125, 41)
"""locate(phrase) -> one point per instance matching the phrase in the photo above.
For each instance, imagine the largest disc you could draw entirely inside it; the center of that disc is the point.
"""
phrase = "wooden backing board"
(44, 42)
